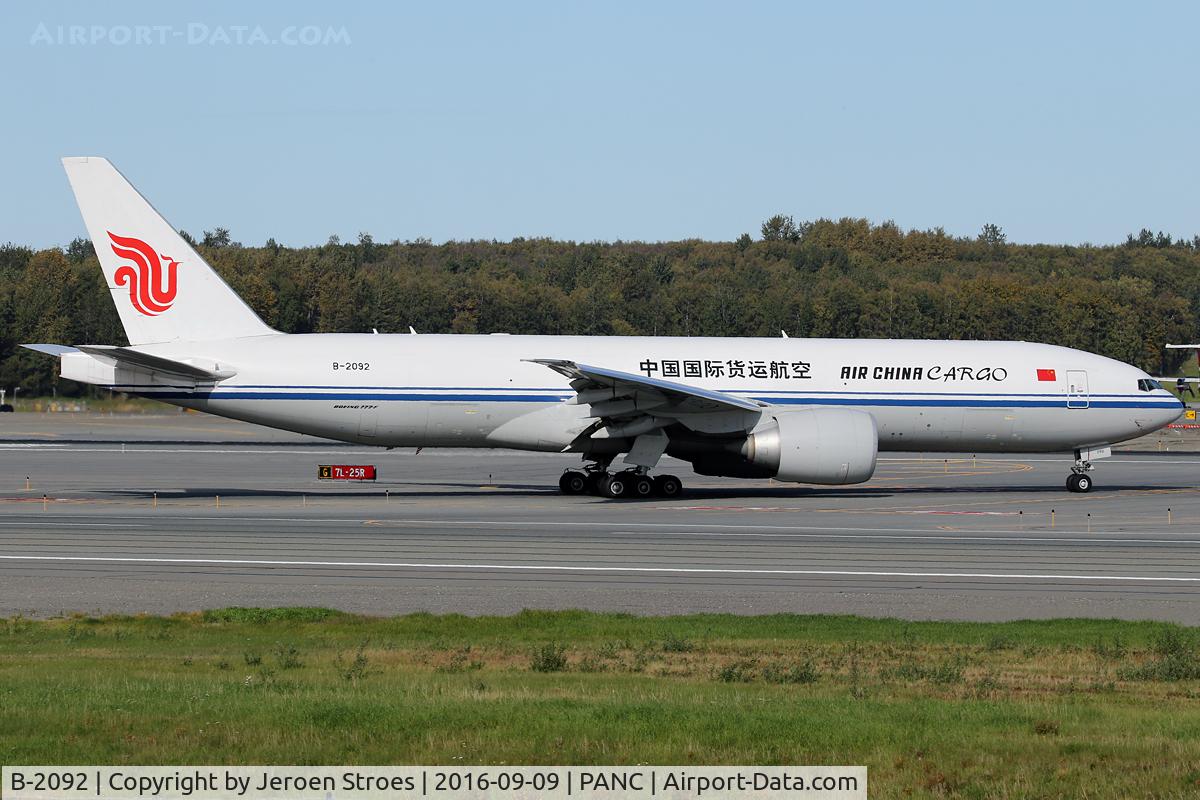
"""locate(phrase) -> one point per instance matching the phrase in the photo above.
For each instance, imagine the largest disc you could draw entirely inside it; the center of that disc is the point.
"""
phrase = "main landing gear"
(1079, 480)
(630, 483)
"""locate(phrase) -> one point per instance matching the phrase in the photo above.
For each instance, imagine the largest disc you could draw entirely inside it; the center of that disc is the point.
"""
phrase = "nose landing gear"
(1079, 480)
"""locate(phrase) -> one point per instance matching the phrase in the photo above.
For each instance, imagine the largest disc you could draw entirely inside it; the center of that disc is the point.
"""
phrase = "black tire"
(641, 486)
(615, 487)
(668, 486)
(594, 483)
(1071, 482)
(573, 482)
(1083, 484)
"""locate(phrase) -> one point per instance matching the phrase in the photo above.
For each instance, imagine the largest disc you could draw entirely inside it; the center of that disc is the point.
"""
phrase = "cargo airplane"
(808, 411)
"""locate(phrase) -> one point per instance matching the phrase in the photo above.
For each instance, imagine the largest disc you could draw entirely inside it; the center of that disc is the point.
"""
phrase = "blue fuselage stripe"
(566, 393)
(940, 401)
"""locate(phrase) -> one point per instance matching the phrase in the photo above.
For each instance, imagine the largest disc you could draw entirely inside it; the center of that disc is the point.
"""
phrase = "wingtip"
(51, 349)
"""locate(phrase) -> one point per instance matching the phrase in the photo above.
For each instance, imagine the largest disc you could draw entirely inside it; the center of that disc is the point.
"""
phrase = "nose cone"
(1175, 413)
(1161, 417)
(1155, 407)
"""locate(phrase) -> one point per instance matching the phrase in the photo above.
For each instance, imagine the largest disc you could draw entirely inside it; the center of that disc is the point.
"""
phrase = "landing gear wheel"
(1079, 482)
(614, 487)
(573, 482)
(668, 486)
(594, 482)
(641, 486)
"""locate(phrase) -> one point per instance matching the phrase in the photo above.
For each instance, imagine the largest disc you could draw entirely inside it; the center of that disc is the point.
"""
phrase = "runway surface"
(131, 522)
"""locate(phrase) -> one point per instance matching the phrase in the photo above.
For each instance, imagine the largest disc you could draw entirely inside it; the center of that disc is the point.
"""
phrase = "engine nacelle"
(815, 445)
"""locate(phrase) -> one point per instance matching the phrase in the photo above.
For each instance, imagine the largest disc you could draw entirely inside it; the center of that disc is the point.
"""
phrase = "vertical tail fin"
(162, 288)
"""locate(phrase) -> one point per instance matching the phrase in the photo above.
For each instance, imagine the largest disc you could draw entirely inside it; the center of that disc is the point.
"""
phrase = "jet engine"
(816, 445)
(805, 445)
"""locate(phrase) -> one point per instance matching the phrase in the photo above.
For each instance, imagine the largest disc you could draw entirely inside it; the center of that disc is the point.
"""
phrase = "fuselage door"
(367, 420)
(1077, 389)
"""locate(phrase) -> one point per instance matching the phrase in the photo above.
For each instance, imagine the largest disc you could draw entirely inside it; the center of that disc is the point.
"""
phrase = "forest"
(824, 278)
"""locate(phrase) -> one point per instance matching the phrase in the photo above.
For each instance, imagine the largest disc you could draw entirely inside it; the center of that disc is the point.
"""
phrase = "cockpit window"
(1148, 385)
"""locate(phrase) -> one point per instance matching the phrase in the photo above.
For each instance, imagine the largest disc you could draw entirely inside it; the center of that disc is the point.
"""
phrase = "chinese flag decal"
(1046, 375)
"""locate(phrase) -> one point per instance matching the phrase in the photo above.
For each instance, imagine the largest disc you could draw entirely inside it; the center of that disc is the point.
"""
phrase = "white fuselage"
(480, 391)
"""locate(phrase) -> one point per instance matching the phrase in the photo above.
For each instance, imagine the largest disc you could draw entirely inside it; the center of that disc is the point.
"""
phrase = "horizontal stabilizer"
(129, 358)
(126, 358)
(50, 349)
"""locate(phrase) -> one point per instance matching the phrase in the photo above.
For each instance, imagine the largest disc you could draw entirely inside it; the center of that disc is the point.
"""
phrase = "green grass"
(1061, 708)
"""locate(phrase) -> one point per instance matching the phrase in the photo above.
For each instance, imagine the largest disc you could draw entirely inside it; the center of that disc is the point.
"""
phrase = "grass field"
(1071, 708)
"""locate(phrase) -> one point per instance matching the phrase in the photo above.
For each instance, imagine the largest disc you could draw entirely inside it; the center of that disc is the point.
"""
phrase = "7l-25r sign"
(346, 472)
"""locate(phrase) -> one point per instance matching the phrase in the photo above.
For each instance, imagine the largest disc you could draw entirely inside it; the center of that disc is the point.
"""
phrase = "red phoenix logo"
(152, 285)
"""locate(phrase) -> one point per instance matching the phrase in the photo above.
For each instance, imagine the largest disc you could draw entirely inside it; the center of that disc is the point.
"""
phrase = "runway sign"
(346, 472)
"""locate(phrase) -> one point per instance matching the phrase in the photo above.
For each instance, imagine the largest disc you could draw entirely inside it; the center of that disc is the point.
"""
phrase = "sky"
(1063, 122)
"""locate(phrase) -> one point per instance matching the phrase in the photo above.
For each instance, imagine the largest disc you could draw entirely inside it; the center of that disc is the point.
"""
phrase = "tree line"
(844, 278)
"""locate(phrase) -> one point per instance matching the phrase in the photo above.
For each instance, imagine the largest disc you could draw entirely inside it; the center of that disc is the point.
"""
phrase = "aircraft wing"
(613, 391)
(637, 407)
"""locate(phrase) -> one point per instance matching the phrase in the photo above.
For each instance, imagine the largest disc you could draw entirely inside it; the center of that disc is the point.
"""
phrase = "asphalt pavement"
(182, 512)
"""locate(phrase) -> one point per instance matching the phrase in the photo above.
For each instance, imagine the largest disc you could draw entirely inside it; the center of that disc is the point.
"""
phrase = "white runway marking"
(249, 450)
(778, 531)
(802, 531)
(28, 445)
(791, 532)
(575, 568)
(830, 529)
(812, 531)
(259, 449)
(77, 524)
(823, 532)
